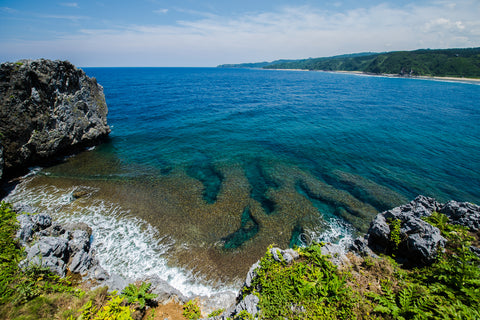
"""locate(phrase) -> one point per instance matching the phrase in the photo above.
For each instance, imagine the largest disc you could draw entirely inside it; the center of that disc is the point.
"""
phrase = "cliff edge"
(47, 108)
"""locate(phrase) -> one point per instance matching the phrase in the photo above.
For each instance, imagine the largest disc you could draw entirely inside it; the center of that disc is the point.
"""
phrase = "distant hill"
(425, 62)
(254, 64)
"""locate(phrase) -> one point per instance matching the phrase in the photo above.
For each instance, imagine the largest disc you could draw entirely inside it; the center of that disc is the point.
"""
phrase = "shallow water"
(207, 167)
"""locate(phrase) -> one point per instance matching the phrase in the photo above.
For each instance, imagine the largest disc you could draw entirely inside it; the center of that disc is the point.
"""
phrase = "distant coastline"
(462, 64)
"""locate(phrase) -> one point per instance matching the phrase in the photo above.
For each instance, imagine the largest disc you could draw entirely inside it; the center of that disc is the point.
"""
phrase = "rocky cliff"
(47, 108)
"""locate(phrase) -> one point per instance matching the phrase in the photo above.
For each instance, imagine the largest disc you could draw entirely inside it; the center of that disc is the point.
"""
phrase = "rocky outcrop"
(61, 248)
(463, 213)
(417, 242)
(47, 108)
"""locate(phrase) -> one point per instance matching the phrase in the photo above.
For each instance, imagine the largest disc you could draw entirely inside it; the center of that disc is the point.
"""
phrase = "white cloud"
(7, 10)
(291, 32)
(63, 17)
(69, 4)
(161, 11)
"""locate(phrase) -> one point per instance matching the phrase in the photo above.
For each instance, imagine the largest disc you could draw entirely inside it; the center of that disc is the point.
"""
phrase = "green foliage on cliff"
(425, 62)
(313, 288)
(310, 289)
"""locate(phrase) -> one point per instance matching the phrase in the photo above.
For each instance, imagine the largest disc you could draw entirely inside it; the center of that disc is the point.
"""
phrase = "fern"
(140, 294)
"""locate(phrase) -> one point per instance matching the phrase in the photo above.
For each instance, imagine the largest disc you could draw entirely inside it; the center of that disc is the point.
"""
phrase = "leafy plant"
(191, 310)
(215, 313)
(312, 288)
(138, 294)
(394, 236)
(114, 310)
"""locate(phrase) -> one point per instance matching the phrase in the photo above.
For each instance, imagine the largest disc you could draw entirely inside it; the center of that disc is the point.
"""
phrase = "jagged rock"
(50, 252)
(43, 221)
(463, 213)
(249, 304)
(164, 291)
(80, 262)
(49, 108)
(58, 247)
(251, 274)
(336, 253)
(27, 227)
(286, 255)
(419, 240)
(80, 241)
(98, 273)
(220, 300)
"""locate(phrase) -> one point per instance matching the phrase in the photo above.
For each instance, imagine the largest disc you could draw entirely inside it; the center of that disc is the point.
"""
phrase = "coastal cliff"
(47, 108)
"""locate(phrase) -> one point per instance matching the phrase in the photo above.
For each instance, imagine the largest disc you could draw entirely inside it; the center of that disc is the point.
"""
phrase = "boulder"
(49, 108)
(50, 252)
(463, 213)
(419, 241)
(58, 247)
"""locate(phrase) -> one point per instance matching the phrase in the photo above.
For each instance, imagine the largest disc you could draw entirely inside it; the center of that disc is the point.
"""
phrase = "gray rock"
(164, 291)
(49, 246)
(419, 241)
(336, 253)
(98, 273)
(43, 221)
(463, 213)
(221, 300)
(50, 252)
(80, 262)
(49, 108)
(249, 304)
(26, 229)
(80, 241)
(251, 274)
(284, 255)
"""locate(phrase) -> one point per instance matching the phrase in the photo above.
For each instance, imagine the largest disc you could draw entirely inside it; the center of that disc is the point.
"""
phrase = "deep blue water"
(413, 136)
(206, 167)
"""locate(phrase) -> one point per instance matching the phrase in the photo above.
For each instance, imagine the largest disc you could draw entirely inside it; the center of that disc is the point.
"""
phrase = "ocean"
(207, 167)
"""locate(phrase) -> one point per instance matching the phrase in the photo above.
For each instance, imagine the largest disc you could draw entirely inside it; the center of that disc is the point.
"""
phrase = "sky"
(206, 33)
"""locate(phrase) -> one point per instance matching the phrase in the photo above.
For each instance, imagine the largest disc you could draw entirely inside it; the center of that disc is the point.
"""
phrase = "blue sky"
(189, 33)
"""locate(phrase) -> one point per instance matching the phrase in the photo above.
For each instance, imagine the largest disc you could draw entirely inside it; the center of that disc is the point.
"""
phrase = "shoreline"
(387, 75)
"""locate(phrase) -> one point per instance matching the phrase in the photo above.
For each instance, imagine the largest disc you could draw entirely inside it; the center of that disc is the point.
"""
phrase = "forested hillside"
(425, 62)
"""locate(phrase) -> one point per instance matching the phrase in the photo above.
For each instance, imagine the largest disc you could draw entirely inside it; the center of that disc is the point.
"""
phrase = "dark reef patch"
(260, 183)
(248, 229)
(204, 171)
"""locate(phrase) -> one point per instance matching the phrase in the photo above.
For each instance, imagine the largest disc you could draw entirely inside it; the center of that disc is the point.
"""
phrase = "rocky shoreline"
(66, 249)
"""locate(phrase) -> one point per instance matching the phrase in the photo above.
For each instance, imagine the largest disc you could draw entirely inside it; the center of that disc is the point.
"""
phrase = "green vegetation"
(139, 294)
(216, 313)
(425, 62)
(311, 287)
(394, 236)
(191, 310)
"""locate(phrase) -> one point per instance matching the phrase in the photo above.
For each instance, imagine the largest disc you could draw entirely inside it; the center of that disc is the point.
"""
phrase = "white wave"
(337, 231)
(125, 245)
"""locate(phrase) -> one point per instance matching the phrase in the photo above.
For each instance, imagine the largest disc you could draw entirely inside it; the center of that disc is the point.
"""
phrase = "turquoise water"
(223, 162)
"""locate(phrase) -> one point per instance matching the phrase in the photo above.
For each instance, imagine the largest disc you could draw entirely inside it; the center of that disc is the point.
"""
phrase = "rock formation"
(60, 248)
(47, 108)
(418, 241)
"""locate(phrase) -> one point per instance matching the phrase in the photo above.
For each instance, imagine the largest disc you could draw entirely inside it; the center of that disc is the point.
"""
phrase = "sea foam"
(124, 245)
